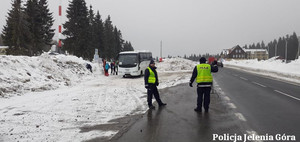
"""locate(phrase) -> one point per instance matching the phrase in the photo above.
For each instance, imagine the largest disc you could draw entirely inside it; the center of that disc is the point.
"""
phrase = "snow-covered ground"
(49, 98)
(273, 68)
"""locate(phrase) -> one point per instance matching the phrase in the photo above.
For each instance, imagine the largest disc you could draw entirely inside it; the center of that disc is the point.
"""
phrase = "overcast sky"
(192, 26)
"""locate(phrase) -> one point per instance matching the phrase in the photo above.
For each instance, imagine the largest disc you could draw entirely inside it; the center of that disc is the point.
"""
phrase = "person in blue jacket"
(106, 69)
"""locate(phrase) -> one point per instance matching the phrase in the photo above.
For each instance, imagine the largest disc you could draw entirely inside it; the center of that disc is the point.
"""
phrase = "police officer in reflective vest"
(204, 79)
(151, 81)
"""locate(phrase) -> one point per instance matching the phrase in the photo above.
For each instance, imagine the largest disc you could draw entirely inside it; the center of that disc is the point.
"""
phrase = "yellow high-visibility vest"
(204, 73)
(151, 78)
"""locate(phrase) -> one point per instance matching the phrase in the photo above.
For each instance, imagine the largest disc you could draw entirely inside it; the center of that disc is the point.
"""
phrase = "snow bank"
(22, 74)
(176, 64)
(271, 67)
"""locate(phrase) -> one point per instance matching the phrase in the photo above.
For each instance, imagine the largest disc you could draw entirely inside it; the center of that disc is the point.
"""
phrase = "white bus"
(133, 63)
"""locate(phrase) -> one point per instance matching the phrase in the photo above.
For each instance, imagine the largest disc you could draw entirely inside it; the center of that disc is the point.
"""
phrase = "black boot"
(151, 107)
(162, 104)
(198, 109)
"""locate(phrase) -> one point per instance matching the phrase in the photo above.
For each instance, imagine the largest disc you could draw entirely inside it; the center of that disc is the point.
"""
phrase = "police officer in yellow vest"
(151, 81)
(204, 79)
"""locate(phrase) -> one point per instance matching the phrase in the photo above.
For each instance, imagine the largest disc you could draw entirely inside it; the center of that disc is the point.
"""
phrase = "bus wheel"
(124, 76)
(141, 73)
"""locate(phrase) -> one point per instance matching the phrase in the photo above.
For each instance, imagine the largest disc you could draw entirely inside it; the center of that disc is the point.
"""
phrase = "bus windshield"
(128, 60)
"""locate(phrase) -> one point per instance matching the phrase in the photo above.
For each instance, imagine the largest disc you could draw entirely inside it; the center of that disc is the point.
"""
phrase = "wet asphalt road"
(178, 122)
(242, 104)
(269, 106)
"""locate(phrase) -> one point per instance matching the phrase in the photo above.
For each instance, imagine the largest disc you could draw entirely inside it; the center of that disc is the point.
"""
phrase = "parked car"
(220, 64)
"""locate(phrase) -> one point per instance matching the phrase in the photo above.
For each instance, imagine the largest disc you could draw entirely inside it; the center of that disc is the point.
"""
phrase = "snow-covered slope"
(22, 74)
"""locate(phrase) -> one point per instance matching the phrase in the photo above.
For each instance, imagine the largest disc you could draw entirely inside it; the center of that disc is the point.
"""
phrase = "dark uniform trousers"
(206, 92)
(152, 90)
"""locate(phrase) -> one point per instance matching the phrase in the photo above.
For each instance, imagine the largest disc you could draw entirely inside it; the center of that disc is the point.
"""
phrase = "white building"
(260, 54)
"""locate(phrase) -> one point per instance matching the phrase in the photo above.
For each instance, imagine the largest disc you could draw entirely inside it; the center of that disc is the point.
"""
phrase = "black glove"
(191, 84)
(157, 84)
(147, 86)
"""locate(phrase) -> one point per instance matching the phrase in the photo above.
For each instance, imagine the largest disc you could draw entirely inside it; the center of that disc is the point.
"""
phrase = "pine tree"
(262, 45)
(271, 50)
(275, 45)
(16, 32)
(119, 42)
(1, 41)
(128, 46)
(99, 34)
(92, 43)
(281, 47)
(76, 29)
(34, 19)
(245, 46)
(252, 46)
(125, 47)
(292, 47)
(258, 46)
(109, 38)
(47, 22)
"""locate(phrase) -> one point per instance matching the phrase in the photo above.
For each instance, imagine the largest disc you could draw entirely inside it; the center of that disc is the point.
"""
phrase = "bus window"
(128, 60)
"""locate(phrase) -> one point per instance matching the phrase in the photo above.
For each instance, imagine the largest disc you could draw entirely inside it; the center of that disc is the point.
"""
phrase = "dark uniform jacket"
(147, 74)
(214, 68)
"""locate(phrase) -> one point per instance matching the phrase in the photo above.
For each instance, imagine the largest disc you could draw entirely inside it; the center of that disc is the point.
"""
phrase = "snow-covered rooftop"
(137, 51)
(256, 50)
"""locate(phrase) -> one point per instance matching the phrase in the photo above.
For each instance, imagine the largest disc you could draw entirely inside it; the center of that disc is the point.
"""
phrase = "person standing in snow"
(204, 79)
(89, 67)
(151, 83)
(116, 67)
(103, 64)
(106, 69)
(112, 68)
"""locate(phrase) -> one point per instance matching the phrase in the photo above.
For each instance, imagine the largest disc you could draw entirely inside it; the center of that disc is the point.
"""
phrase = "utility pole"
(161, 49)
(59, 25)
(160, 59)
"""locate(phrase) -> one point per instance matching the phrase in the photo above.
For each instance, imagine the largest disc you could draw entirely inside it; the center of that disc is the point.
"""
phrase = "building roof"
(256, 50)
(225, 51)
(135, 52)
(235, 47)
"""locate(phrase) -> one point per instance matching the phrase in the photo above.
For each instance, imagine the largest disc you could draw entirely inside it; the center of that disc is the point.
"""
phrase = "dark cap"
(202, 60)
(152, 62)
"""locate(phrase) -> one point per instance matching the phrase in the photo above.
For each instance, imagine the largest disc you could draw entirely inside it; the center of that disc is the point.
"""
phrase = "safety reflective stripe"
(151, 78)
(203, 85)
(204, 73)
